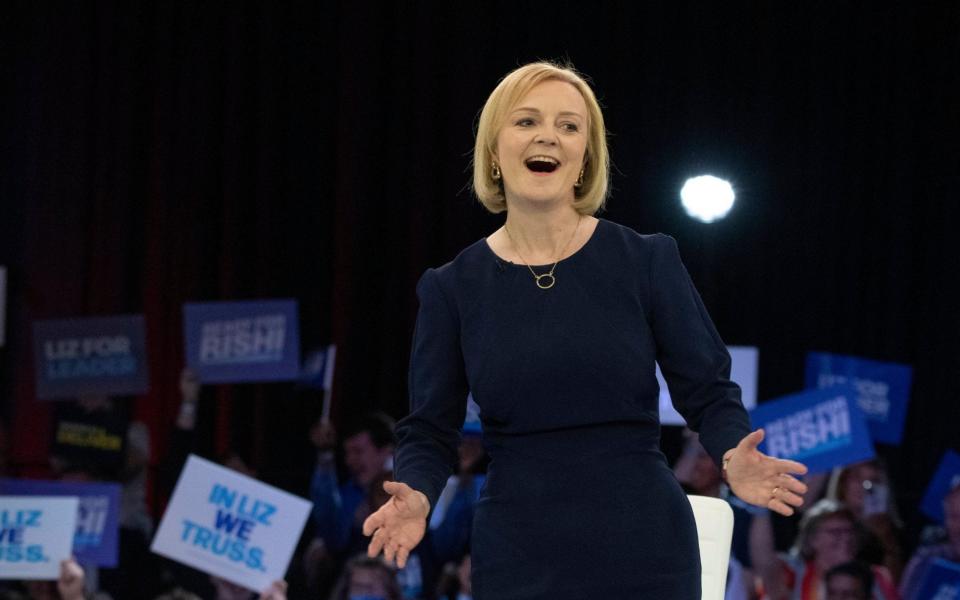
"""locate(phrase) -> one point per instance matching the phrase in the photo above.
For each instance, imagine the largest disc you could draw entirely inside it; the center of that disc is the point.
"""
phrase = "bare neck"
(542, 236)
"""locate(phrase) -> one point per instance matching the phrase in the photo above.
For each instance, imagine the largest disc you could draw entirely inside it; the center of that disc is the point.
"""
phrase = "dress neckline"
(593, 235)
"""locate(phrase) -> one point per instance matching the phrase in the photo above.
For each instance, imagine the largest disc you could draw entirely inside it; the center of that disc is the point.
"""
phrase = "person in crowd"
(341, 503)
(925, 555)
(829, 536)
(849, 581)
(340, 508)
(698, 475)
(70, 585)
(455, 582)
(452, 518)
(865, 489)
(95, 439)
(554, 322)
(189, 436)
(226, 590)
(367, 579)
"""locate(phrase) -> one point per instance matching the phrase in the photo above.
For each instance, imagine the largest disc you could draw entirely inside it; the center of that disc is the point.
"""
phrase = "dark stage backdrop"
(154, 155)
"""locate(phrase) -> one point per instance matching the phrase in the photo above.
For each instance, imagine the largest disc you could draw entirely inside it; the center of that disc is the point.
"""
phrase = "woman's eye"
(570, 127)
(525, 122)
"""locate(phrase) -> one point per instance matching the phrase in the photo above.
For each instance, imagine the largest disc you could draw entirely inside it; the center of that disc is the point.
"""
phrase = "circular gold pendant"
(546, 285)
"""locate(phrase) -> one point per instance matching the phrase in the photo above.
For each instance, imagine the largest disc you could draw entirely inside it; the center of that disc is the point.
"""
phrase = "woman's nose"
(545, 137)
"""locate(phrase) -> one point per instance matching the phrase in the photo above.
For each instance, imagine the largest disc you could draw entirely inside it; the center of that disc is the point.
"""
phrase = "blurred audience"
(865, 489)
(341, 502)
(365, 578)
(339, 509)
(698, 475)
(925, 555)
(455, 582)
(849, 581)
(829, 536)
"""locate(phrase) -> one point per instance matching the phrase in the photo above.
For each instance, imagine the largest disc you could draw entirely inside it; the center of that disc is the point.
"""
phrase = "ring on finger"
(773, 494)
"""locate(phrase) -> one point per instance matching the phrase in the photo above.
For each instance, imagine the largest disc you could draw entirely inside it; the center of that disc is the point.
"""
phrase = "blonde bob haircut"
(589, 197)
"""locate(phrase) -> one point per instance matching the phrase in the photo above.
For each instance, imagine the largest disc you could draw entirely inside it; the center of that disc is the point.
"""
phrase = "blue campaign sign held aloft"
(231, 342)
(96, 538)
(941, 582)
(946, 477)
(883, 389)
(820, 428)
(100, 355)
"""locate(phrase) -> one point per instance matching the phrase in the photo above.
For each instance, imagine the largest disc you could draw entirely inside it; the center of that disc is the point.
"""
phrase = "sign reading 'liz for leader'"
(230, 525)
(35, 535)
(883, 389)
(100, 355)
(97, 535)
(242, 341)
(820, 428)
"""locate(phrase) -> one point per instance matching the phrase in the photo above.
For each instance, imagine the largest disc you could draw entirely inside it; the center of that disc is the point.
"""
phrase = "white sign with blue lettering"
(230, 525)
(36, 533)
(743, 372)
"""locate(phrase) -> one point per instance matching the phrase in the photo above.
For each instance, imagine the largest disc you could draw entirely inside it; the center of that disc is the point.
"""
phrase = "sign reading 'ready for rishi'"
(820, 428)
(231, 342)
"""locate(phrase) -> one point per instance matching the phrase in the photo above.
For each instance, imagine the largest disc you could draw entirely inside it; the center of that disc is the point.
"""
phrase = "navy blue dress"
(579, 501)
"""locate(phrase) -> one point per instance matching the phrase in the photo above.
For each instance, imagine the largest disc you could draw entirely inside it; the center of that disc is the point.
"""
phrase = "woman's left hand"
(763, 480)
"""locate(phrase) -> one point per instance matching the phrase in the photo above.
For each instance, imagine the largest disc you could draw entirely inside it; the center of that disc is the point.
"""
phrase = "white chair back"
(715, 530)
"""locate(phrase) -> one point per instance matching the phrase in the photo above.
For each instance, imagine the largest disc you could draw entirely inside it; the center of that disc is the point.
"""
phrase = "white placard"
(230, 525)
(3, 305)
(743, 371)
(36, 533)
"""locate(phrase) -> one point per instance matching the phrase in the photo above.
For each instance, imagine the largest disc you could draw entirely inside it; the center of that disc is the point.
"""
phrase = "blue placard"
(946, 477)
(100, 355)
(96, 539)
(820, 428)
(228, 342)
(883, 389)
(941, 581)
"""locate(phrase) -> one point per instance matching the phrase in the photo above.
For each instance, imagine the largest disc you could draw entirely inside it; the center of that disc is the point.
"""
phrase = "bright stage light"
(707, 198)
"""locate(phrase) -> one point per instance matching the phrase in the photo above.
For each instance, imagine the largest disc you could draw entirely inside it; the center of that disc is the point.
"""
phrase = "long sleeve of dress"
(693, 358)
(428, 437)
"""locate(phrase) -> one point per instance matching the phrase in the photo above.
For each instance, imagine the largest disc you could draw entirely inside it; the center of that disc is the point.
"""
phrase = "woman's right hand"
(398, 526)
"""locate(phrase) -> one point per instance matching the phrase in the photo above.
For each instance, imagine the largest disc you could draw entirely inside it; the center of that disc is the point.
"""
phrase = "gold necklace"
(548, 276)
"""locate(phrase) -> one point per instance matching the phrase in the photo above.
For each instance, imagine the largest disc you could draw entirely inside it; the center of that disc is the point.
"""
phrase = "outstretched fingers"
(377, 542)
(793, 484)
(372, 523)
(779, 506)
(791, 466)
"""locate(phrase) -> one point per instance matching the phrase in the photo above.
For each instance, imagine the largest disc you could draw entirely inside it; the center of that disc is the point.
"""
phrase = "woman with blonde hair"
(554, 323)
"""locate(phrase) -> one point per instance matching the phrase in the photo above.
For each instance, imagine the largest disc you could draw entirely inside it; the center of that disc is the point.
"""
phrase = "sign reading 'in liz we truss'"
(36, 533)
(230, 525)
(99, 355)
(229, 342)
(96, 538)
(820, 428)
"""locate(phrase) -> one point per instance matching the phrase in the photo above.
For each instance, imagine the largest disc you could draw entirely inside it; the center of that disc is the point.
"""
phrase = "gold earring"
(495, 172)
(579, 182)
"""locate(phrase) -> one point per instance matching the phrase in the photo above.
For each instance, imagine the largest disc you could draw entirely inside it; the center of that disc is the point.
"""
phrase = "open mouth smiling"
(542, 164)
